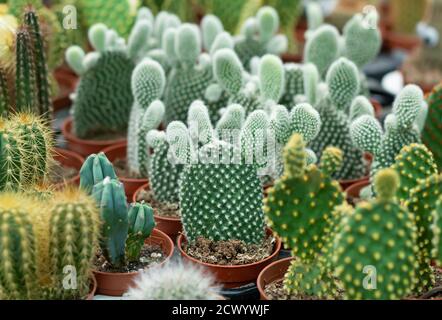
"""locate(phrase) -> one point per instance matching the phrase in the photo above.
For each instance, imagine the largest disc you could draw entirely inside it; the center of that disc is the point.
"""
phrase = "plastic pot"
(169, 225)
(82, 146)
(68, 159)
(353, 192)
(233, 276)
(116, 284)
(272, 273)
(131, 185)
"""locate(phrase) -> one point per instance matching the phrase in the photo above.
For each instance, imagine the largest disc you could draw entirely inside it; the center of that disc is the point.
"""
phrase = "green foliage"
(432, 134)
(437, 230)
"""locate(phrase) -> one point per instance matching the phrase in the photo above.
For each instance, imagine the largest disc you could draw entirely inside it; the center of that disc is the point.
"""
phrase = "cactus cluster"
(432, 134)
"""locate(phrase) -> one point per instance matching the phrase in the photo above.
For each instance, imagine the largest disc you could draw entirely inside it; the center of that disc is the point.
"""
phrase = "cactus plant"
(378, 241)
(111, 199)
(74, 227)
(141, 224)
(406, 14)
(148, 82)
(300, 209)
(94, 170)
(400, 129)
(174, 281)
(437, 230)
(103, 97)
(431, 135)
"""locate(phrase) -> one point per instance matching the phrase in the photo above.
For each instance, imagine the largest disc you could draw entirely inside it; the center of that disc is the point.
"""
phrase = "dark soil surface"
(163, 209)
(150, 254)
(122, 170)
(233, 252)
(59, 173)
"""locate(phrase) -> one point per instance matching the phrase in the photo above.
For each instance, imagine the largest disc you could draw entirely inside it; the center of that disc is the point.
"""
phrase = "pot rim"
(66, 129)
(134, 199)
(118, 146)
(357, 185)
(64, 153)
(261, 274)
(123, 274)
(276, 249)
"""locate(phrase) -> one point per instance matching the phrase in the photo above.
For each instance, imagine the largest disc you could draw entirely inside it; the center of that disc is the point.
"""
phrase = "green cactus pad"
(432, 134)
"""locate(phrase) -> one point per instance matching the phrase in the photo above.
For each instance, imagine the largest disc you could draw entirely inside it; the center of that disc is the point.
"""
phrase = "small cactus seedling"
(111, 199)
(378, 241)
(400, 129)
(94, 170)
(432, 134)
(141, 224)
(174, 281)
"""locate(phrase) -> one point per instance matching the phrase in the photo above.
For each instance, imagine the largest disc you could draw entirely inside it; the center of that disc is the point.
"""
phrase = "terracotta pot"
(67, 81)
(394, 40)
(272, 273)
(353, 192)
(91, 294)
(131, 185)
(116, 284)
(68, 159)
(377, 108)
(169, 225)
(345, 184)
(291, 58)
(233, 276)
(82, 146)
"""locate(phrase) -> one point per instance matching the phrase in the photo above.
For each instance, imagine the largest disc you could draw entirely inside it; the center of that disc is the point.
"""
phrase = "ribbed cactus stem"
(4, 94)
(141, 224)
(94, 170)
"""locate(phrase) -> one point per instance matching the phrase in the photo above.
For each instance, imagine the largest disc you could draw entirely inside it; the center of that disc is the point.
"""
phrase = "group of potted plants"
(208, 141)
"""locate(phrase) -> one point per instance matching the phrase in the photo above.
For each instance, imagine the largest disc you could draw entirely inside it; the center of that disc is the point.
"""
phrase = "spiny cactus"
(432, 134)
(300, 209)
(74, 227)
(414, 163)
(148, 82)
(141, 224)
(111, 199)
(378, 241)
(400, 129)
(258, 36)
(294, 84)
(343, 87)
(174, 281)
(437, 230)
(19, 249)
(103, 97)
(4, 94)
(421, 203)
(94, 170)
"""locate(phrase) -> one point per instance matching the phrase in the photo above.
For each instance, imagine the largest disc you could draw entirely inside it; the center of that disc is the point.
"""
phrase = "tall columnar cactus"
(300, 209)
(174, 281)
(103, 97)
(375, 255)
(18, 248)
(141, 224)
(258, 36)
(406, 14)
(432, 134)
(414, 163)
(74, 227)
(421, 203)
(94, 170)
(343, 87)
(220, 194)
(252, 93)
(111, 199)
(400, 129)
(148, 82)
(4, 94)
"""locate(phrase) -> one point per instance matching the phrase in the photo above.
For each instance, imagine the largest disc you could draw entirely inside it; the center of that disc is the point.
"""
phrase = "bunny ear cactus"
(343, 87)
(299, 208)
(258, 36)
(378, 239)
(74, 228)
(432, 134)
(400, 129)
(148, 83)
(414, 163)
(103, 98)
(94, 170)
(294, 84)
(111, 199)
(141, 224)
(437, 230)
(421, 203)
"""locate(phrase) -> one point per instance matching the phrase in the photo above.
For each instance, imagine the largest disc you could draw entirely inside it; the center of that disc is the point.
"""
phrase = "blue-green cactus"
(141, 224)
(94, 170)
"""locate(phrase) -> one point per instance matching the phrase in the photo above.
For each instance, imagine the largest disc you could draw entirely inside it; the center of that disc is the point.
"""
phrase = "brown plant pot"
(272, 273)
(68, 159)
(353, 192)
(169, 225)
(82, 146)
(131, 185)
(291, 58)
(233, 276)
(91, 294)
(67, 81)
(395, 40)
(116, 284)
(377, 108)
